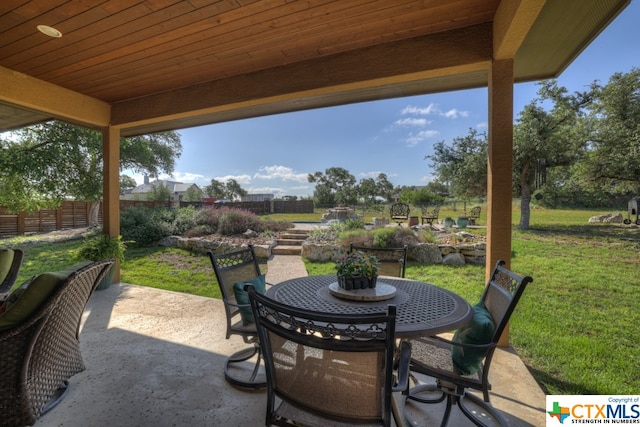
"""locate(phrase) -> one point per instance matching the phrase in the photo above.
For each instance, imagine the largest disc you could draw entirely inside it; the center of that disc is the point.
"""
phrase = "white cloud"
(428, 178)
(374, 174)
(482, 125)
(280, 172)
(454, 113)
(414, 139)
(421, 111)
(240, 179)
(188, 177)
(412, 121)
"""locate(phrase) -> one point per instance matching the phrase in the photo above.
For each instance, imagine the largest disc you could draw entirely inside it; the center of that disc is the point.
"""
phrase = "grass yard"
(578, 323)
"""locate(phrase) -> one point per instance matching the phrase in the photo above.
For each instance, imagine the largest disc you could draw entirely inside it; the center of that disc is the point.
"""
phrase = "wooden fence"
(72, 214)
(261, 208)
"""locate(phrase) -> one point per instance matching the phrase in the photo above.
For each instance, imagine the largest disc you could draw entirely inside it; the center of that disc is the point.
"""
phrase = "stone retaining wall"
(426, 253)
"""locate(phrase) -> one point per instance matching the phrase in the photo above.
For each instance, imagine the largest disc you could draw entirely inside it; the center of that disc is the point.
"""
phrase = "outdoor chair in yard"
(39, 340)
(463, 362)
(391, 261)
(399, 212)
(326, 370)
(474, 215)
(430, 215)
(10, 262)
(233, 270)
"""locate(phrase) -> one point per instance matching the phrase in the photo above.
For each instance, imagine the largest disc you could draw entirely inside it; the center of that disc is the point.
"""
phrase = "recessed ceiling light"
(50, 31)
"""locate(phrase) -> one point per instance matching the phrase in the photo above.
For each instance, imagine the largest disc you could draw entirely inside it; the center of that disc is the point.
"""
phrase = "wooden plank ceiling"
(155, 62)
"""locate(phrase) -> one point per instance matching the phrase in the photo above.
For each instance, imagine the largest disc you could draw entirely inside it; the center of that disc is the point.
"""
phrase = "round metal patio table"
(422, 308)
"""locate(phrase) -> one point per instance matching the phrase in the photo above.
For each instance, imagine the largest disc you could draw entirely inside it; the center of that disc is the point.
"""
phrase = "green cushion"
(6, 259)
(27, 299)
(480, 330)
(242, 297)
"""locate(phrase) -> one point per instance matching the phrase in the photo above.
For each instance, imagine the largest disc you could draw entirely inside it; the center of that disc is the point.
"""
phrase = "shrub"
(382, 237)
(235, 221)
(357, 237)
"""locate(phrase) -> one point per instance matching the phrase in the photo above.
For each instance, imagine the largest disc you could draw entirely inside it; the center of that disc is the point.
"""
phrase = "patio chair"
(324, 369)
(399, 212)
(430, 215)
(10, 262)
(39, 340)
(391, 261)
(233, 270)
(463, 362)
(474, 214)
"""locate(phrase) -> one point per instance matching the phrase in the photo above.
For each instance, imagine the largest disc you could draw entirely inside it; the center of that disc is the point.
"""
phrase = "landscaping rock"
(425, 253)
(614, 218)
(321, 252)
(454, 259)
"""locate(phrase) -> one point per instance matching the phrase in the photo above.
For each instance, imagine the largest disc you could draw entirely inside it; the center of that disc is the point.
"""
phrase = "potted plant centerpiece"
(101, 247)
(356, 270)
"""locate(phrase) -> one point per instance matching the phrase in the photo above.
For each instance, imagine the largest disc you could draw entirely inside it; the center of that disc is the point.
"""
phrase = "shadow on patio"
(155, 358)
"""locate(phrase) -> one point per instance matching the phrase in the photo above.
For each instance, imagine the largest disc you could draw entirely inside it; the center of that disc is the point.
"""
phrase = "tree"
(233, 190)
(46, 163)
(547, 139)
(193, 194)
(159, 192)
(127, 183)
(463, 164)
(335, 186)
(216, 189)
(369, 190)
(613, 161)
(225, 190)
(421, 197)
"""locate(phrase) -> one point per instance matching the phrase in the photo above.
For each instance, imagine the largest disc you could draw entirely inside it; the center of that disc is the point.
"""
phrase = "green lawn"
(577, 326)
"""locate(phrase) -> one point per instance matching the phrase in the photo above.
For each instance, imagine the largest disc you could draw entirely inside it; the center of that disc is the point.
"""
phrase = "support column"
(500, 168)
(111, 186)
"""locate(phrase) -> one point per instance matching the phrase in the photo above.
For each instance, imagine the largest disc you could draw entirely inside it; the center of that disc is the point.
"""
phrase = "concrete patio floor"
(155, 358)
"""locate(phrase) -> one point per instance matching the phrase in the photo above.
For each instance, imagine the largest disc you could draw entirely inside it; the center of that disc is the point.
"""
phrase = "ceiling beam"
(33, 94)
(511, 24)
(465, 51)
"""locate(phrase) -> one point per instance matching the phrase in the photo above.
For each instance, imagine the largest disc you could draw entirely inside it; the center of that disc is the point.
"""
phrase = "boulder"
(454, 259)
(425, 253)
(614, 218)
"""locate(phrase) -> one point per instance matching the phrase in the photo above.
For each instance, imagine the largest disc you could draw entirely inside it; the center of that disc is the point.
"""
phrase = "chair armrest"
(403, 362)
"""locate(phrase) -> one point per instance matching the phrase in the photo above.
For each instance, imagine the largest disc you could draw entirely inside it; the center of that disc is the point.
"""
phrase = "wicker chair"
(231, 268)
(463, 363)
(12, 260)
(326, 370)
(391, 261)
(399, 212)
(43, 352)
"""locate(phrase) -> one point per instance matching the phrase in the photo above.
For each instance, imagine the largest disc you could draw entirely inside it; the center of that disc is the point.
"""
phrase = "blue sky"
(274, 154)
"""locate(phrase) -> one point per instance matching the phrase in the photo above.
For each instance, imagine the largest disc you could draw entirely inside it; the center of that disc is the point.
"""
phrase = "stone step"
(297, 231)
(286, 250)
(289, 242)
(292, 236)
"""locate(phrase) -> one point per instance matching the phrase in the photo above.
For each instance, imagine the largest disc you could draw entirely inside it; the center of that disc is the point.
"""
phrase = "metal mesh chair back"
(501, 295)
(391, 261)
(232, 267)
(325, 368)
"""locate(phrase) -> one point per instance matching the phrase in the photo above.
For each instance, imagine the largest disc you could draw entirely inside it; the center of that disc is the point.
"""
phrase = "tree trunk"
(94, 210)
(525, 200)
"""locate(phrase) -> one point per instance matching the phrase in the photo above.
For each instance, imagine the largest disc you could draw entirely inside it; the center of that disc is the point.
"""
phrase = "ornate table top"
(422, 309)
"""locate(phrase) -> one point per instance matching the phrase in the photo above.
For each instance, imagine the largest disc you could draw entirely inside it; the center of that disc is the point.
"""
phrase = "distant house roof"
(173, 186)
